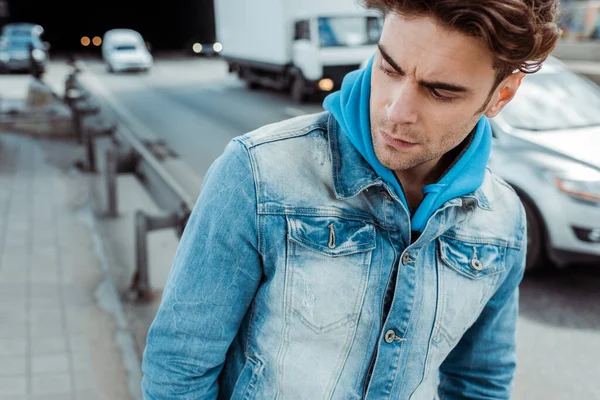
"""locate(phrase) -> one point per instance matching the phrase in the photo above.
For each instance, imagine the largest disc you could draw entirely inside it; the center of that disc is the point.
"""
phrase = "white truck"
(300, 46)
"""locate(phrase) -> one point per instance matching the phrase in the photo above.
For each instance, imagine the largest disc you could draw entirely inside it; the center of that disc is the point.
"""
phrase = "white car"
(547, 147)
(125, 50)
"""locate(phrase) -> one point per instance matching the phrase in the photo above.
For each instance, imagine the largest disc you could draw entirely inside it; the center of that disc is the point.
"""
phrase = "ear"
(504, 94)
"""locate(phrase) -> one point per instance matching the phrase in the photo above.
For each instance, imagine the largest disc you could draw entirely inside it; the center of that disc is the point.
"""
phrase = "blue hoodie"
(350, 107)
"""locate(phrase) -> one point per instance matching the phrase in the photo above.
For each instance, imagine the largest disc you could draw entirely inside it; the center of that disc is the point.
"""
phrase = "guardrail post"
(111, 182)
(90, 152)
(72, 96)
(140, 289)
(117, 160)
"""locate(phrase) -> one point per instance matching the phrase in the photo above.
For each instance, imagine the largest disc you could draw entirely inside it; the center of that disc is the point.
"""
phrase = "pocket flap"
(474, 260)
(331, 235)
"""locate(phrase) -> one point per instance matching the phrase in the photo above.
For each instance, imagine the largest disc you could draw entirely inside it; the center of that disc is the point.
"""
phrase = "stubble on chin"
(388, 156)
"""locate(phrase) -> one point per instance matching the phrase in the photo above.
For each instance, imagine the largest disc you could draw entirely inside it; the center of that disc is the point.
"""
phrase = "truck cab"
(326, 48)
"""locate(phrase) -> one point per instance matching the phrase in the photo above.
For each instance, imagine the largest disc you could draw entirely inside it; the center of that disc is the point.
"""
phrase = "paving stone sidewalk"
(63, 334)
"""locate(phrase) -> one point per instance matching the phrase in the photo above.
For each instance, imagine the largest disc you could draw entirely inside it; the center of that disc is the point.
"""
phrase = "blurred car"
(15, 51)
(547, 147)
(125, 50)
(204, 49)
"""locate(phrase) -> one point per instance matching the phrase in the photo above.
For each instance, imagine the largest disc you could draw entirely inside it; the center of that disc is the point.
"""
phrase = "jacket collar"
(352, 173)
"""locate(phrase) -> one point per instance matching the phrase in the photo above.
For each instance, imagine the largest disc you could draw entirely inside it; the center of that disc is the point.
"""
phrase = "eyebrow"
(428, 84)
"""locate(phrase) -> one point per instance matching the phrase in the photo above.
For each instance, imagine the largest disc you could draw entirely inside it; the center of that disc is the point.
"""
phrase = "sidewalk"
(63, 332)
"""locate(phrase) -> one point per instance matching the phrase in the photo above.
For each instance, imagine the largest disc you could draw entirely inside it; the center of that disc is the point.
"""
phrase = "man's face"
(428, 89)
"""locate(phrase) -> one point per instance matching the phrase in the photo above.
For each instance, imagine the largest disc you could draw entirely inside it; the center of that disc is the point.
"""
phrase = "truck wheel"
(251, 85)
(298, 90)
(246, 75)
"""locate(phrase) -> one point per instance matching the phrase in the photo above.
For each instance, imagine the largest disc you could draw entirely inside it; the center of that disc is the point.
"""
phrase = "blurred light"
(85, 41)
(326, 85)
(217, 47)
(197, 47)
(38, 30)
(38, 55)
(97, 41)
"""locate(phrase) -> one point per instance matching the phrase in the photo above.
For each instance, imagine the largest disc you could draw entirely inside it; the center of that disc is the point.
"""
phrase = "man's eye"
(385, 71)
(437, 95)
(385, 68)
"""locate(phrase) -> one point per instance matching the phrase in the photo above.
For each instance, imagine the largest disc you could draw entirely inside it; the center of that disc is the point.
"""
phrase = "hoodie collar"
(352, 174)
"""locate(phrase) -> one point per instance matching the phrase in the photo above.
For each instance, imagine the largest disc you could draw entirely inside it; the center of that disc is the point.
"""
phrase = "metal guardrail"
(129, 155)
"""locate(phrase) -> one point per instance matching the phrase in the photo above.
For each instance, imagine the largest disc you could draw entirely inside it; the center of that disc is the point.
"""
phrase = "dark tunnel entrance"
(165, 25)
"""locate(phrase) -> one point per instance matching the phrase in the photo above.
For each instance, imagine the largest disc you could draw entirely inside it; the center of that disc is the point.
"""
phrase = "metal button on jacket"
(406, 259)
(390, 335)
(476, 264)
(385, 195)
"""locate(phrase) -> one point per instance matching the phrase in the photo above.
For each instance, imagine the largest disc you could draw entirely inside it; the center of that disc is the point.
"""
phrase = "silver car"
(547, 146)
(17, 51)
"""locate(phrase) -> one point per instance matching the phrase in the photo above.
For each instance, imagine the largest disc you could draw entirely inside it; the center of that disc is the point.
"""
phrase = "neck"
(413, 180)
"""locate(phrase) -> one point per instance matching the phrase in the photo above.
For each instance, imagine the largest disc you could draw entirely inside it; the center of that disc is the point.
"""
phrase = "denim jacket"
(296, 278)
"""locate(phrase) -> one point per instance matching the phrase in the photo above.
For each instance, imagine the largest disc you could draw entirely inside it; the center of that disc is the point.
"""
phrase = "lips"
(397, 143)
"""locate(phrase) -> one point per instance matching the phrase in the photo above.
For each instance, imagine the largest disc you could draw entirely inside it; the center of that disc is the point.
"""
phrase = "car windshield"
(349, 31)
(19, 42)
(554, 101)
(23, 29)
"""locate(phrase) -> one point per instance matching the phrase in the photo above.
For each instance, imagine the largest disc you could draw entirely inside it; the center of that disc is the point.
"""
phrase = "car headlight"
(38, 55)
(581, 188)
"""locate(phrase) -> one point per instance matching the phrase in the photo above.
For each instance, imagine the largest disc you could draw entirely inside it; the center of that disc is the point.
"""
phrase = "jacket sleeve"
(483, 363)
(211, 284)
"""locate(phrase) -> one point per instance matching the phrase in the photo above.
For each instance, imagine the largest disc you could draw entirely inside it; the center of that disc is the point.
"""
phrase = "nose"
(403, 107)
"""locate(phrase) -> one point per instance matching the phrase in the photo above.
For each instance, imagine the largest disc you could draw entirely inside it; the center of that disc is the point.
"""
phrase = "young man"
(364, 252)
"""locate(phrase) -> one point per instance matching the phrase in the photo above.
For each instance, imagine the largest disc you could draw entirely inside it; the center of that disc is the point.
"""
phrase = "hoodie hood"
(350, 106)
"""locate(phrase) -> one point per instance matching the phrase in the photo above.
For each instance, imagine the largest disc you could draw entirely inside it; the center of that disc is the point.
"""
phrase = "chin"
(386, 157)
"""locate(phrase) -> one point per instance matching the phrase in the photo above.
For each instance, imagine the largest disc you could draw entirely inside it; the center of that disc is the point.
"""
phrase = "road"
(196, 107)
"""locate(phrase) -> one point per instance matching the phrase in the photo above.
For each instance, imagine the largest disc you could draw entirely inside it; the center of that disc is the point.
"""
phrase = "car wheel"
(535, 238)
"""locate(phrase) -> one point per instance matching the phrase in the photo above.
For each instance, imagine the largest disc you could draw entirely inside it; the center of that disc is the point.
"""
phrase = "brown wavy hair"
(520, 33)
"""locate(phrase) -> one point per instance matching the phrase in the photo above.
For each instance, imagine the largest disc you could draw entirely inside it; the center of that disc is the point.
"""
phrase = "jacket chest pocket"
(327, 270)
(468, 273)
